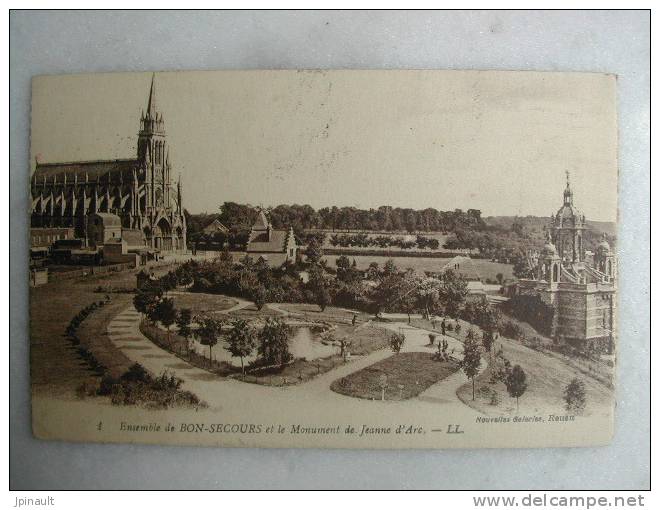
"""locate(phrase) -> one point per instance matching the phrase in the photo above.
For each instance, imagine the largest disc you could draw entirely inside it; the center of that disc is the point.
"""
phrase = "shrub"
(136, 373)
(396, 342)
(84, 390)
(106, 385)
(512, 330)
(484, 392)
(137, 387)
(575, 396)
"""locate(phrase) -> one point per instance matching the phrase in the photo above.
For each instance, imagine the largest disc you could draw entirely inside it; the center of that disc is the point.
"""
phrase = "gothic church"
(138, 193)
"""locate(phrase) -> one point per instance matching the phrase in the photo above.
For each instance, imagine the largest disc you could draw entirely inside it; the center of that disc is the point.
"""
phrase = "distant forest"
(305, 217)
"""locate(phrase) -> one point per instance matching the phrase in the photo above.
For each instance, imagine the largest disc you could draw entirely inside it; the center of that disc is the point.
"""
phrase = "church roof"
(260, 243)
(261, 223)
(568, 214)
(93, 170)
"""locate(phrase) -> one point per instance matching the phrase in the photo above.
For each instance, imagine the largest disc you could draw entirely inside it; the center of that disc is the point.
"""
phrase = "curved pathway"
(241, 303)
(316, 394)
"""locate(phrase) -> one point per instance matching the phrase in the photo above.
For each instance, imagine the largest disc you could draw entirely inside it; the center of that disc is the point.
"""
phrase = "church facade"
(139, 192)
(579, 287)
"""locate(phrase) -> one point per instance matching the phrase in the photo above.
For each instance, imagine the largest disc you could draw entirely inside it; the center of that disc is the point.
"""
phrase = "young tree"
(387, 292)
(373, 272)
(142, 300)
(314, 251)
(396, 342)
(452, 293)
(323, 297)
(516, 383)
(274, 342)
(241, 341)
(409, 299)
(390, 268)
(342, 262)
(575, 396)
(183, 321)
(168, 282)
(259, 295)
(487, 341)
(471, 361)
(166, 314)
(427, 296)
(319, 286)
(345, 271)
(487, 316)
(209, 333)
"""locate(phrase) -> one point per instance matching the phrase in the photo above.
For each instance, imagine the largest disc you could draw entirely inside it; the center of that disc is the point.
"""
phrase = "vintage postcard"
(334, 259)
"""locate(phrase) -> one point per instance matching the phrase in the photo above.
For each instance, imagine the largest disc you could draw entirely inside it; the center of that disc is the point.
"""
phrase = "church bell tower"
(153, 152)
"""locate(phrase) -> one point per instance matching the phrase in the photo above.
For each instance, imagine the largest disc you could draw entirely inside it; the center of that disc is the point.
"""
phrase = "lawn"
(312, 312)
(486, 268)
(250, 312)
(547, 377)
(408, 374)
(56, 368)
(200, 302)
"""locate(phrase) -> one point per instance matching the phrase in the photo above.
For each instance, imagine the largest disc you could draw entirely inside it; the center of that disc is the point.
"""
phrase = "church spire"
(151, 106)
(568, 193)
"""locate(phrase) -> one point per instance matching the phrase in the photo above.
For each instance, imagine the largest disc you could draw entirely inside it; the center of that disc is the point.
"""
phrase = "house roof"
(92, 170)
(261, 223)
(215, 226)
(259, 242)
(108, 219)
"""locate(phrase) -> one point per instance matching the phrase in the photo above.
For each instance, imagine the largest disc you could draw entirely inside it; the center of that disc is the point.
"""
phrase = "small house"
(273, 246)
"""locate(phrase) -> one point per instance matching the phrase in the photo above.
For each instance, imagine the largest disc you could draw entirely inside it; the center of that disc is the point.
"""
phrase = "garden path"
(221, 392)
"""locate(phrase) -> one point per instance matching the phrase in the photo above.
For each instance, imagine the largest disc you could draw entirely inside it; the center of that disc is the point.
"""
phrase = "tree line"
(237, 216)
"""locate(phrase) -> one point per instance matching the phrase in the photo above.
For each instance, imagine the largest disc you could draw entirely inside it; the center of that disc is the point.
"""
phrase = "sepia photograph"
(335, 259)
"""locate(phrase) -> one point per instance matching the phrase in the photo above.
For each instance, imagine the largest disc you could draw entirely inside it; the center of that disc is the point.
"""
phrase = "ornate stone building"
(139, 191)
(579, 288)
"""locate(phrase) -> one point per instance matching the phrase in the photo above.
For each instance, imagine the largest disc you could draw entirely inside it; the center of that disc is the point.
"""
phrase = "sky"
(497, 141)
